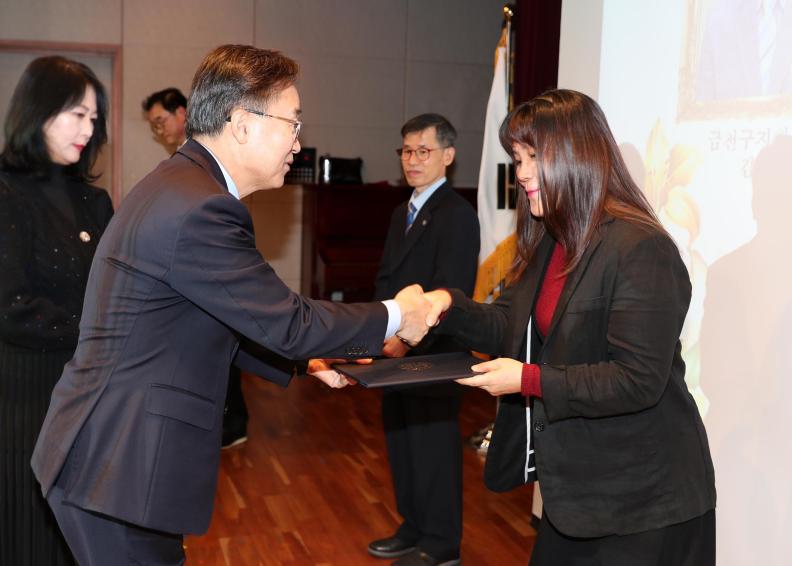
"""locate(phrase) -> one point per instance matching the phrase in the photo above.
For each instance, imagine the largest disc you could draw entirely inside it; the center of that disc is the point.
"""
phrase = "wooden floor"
(312, 485)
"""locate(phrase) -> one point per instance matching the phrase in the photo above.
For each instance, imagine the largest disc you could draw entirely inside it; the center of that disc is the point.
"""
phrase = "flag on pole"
(496, 191)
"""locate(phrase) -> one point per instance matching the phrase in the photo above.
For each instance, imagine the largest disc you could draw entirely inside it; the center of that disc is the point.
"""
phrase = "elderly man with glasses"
(433, 240)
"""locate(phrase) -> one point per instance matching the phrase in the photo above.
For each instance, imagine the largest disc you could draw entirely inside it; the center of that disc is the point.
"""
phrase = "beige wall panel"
(457, 91)
(468, 159)
(277, 217)
(205, 23)
(352, 92)
(461, 31)
(86, 21)
(333, 28)
(374, 145)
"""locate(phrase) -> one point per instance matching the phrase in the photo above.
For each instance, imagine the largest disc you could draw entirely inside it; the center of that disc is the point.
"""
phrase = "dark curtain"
(538, 32)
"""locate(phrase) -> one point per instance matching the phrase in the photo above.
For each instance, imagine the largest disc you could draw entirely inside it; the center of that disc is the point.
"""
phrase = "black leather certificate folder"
(412, 370)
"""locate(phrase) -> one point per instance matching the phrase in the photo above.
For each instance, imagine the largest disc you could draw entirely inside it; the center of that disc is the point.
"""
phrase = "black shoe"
(233, 437)
(390, 547)
(419, 558)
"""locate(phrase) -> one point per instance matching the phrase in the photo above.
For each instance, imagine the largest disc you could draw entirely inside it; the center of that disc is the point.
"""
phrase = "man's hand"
(415, 312)
(500, 377)
(441, 302)
(322, 369)
(393, 347)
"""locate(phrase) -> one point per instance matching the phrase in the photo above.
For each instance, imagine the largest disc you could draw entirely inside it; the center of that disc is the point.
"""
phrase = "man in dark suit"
(433, 240)
(166, 112)
(129, 451)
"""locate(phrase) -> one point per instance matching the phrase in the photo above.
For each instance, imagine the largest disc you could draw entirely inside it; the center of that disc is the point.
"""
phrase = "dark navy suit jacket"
(175, 283)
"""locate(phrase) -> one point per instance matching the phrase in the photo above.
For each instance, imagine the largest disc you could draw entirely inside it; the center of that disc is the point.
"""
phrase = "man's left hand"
(322, 369)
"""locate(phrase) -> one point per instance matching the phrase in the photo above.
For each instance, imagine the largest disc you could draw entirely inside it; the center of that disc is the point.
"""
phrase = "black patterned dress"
(49, 228)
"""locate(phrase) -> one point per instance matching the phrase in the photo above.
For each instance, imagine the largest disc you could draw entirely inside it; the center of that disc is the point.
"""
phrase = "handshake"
(420, 311)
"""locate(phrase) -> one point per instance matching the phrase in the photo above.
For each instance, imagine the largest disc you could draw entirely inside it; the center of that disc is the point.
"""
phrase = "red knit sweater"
(552, 285)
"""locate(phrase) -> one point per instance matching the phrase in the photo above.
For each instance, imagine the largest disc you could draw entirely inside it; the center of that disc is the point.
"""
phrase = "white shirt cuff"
(394, 317)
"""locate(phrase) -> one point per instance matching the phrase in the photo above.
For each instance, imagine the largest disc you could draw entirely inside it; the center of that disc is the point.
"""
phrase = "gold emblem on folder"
(416, 366)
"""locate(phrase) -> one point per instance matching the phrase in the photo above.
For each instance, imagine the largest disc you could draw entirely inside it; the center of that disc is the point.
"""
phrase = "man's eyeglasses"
(158, 123)
(422, 153)
(295, 124)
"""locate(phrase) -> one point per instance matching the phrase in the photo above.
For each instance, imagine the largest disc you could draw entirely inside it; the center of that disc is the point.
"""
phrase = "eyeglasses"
(158, 123)
(422, 153)
(295, 124)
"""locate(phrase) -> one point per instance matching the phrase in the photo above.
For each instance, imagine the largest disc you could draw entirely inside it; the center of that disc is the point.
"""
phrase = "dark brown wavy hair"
(582, 175)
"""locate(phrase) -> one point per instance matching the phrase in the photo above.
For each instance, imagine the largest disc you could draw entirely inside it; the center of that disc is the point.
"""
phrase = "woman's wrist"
(531, 380)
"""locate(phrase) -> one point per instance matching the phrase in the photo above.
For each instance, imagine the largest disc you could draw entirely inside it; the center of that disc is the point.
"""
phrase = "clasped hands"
(498, 377)
(419, 312)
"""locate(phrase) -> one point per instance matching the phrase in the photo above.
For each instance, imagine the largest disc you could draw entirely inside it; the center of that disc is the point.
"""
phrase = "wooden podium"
(344, 230)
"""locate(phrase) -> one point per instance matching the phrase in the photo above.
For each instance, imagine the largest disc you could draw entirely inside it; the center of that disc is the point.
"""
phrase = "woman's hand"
(441, 302)
(498, 377)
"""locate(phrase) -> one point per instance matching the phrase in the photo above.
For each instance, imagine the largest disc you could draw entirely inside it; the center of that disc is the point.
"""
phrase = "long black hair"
(49, 86)
(582, 175)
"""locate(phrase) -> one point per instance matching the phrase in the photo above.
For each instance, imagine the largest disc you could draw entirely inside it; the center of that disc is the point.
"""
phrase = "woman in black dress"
(50, 223)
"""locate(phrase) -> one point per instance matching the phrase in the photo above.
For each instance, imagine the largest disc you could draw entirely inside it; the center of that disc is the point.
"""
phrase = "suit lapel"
(420, 224)
(574, 278)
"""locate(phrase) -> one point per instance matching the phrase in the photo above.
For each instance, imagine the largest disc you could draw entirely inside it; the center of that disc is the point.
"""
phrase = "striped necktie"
(411, 213)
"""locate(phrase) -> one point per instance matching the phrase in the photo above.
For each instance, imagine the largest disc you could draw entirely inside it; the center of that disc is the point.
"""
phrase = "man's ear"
(181, 112)
(448, 156)
(240, 125)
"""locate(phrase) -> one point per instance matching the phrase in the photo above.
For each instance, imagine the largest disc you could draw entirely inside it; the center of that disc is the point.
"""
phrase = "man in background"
(166, 112)
(433, 240)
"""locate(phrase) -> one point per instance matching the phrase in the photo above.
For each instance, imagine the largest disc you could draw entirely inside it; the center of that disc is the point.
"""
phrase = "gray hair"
(232, 76)
(446, 134)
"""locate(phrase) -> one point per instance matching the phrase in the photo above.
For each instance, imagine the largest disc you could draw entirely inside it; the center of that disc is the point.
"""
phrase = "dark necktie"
(411, 213)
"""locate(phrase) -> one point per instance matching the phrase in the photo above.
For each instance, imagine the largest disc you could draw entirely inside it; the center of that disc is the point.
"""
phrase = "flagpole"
(491, 275)
(508, 14)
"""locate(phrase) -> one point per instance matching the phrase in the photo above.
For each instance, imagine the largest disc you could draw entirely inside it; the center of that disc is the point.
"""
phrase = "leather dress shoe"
(391, 547)
(419, 558)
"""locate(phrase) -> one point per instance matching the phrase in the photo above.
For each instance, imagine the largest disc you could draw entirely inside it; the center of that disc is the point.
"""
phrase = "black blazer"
(176, 281)
(440, 250)
(620, 446)
(44, 261)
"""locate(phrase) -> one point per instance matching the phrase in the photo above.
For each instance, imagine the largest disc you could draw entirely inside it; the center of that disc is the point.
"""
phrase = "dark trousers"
(425, 453)
(236, 414)
(691, 543)
(98, 540)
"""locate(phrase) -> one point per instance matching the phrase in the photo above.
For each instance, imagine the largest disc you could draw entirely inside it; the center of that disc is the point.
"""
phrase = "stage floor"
(312, 485)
